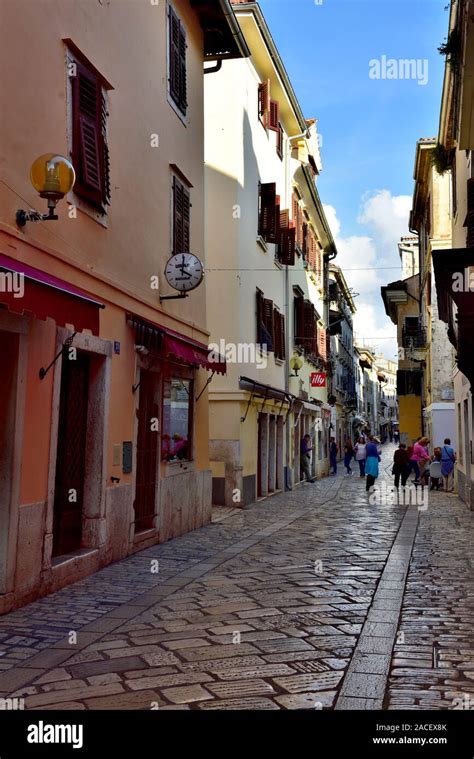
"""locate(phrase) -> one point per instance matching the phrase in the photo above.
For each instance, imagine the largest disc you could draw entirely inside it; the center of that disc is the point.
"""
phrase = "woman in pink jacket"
(421, 455)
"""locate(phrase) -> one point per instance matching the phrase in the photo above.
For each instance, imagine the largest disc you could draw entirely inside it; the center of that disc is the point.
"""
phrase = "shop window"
(176, 440)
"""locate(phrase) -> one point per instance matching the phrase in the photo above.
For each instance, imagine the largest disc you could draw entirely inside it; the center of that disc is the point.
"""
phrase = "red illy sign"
(318, 379)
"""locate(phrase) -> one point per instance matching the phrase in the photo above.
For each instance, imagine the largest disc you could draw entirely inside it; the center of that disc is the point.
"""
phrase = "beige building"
(428, 340)
(105, 450)
(267, 243)
(453, 266)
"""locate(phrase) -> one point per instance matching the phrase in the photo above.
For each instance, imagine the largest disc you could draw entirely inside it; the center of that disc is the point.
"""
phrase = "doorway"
(9, 345)
(71, 454)
(147, 450)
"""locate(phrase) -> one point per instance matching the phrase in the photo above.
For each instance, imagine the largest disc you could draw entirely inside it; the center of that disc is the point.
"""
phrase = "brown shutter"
(287, 246)
(181, 218)
(282, 337)
(177, 61)
(274, 115)
(268, 323)
(322, 343)
(87, 138)
(277, 333)
(268, 217)
(284, 219)
(309, 327)
(106, 154)
(279, 145)
(259, 316)
(304, 238)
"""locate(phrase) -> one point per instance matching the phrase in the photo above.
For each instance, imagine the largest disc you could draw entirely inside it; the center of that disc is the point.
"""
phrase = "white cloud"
(363, 259)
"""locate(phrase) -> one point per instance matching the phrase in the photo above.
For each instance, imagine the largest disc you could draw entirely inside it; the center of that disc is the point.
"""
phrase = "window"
(177, 62)
(181, 217)
(279, 334)
(273, 118)
(270, 326)
(306, 326)
(89, 149)
(408, 383)
(268, 219)
(298, 221)
(285, 252)
(176, 440)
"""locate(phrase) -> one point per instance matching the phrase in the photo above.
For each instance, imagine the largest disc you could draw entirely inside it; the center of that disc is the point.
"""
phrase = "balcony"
(414, 338)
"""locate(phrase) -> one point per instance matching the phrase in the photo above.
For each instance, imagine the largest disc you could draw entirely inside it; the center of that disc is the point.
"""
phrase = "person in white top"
(360, 455)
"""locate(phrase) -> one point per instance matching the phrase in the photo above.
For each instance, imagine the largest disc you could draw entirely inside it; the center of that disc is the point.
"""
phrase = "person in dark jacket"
(333, 449)
(401, 467)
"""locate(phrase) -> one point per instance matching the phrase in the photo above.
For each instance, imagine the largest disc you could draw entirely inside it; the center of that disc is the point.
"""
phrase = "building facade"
(431, 219)
(268, 244)
(90, 334)
(454, 264)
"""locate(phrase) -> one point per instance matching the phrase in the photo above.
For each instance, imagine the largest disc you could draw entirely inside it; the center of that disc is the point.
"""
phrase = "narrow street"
(314, 599)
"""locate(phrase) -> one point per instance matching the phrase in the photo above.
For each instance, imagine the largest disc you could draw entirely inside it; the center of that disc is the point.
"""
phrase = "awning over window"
(24, 289)
(167, 342)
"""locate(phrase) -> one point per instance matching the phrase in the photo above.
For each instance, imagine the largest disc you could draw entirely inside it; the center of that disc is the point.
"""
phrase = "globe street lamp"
(52, 176)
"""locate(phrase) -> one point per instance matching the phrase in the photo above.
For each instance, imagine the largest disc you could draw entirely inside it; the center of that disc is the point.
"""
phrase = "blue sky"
(369, 127)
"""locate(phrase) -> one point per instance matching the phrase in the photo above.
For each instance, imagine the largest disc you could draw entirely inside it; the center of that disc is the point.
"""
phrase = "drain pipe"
(214, 69)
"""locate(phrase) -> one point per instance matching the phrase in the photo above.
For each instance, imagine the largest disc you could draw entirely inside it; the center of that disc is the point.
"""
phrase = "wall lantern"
(296, 362)
(52, 176)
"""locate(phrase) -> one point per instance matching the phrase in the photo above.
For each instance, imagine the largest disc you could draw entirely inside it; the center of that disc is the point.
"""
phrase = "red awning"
(172, 343)
(43, 295)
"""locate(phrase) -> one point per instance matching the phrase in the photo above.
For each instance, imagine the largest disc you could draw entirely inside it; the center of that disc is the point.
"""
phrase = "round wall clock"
(184, 271)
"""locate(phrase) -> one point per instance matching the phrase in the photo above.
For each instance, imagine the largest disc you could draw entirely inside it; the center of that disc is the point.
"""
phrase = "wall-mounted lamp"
(52, 176)
(296, 362)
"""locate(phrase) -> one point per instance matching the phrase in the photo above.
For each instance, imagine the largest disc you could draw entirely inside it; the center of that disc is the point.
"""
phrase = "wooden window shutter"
(299, 321)
(274, 116)
(268, 322)
(259, 317)
(282, 337)
(279, 145)
(181, 218)
(87, 135)
(264, 102)
(309, 327)
(268, 217)
(322, 343)
(284, 219)
(304, 238)
(287, 246)
(277, 333)
(177, 61)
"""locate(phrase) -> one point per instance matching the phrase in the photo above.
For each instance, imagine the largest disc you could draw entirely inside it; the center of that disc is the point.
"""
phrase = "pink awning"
(44, 295)
(172, 343)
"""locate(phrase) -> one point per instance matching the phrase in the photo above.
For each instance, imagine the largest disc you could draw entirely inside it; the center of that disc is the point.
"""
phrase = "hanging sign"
(318, 379)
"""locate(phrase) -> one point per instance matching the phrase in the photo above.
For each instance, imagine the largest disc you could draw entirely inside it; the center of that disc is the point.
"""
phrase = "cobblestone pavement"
(318, 598)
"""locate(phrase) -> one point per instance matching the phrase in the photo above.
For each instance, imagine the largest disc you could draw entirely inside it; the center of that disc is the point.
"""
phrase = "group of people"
(437, 469)
(367, 452)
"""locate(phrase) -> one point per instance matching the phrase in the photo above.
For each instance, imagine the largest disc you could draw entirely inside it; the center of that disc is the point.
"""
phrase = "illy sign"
(318, 379)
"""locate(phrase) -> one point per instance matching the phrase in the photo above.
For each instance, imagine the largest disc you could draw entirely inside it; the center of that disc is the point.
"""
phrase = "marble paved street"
(318, 598)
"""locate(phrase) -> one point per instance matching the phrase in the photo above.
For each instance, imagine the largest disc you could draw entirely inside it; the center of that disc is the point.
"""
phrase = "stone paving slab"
(294, 603)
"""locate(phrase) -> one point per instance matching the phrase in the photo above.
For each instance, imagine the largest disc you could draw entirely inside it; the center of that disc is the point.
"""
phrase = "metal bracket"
(208, 382)
(23, 216)
(173, 297)
(243, 418)
(290, 408)
(67, 344)
(264, 400)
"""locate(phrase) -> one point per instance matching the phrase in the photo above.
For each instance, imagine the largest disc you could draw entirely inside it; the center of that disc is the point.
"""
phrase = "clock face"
(184, 271)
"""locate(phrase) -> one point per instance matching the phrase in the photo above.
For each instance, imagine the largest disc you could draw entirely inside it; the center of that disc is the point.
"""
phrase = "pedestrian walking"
(348, 456)
(400, 465)
(333, 450)
(305, 458)
(371, 463)
(413, 462)
(360, 455)
(448, 460)
(422, 455)
(436, 470)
